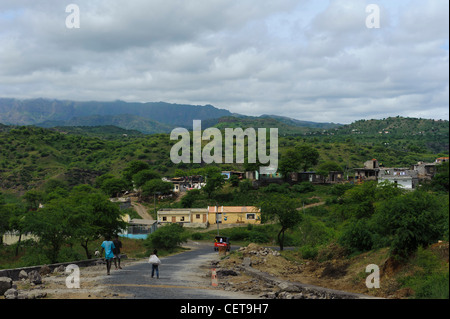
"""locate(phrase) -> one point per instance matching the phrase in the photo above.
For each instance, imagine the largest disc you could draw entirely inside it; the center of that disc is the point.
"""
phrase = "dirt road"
(141, 210)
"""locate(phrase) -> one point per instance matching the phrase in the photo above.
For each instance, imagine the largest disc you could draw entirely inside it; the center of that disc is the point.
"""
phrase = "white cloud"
(312, 60)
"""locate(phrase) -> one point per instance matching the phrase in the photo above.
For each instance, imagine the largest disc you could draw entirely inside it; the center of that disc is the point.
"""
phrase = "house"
(335, 177)
(311, 177)
(441, 160)
(251, 175)
(404, 177)
(189, 217)
(370, 171)
(234, 215)
(183, 184)
(425, 170)
(228, 174)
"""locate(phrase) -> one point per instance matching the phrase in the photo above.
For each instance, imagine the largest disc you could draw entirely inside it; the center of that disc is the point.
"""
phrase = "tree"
(214, 181)
(133, 168)
(308, 157)
(289, 162)
(51, 225)
(301, 158)
(83, 216)
(155, 186)
(234, 181)
(114, 186)
(327, 167)
(166, 237)
(411, 220)
(282, 210)
(94, 216)
(440, 180)
(143, 176)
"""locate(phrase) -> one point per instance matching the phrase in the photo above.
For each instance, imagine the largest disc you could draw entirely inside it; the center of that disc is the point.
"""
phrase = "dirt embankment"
(336, 271)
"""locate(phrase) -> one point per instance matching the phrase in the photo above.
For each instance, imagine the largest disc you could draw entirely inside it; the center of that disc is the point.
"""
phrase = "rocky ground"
(52, 285)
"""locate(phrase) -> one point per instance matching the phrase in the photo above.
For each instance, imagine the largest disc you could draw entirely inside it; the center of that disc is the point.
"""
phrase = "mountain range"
(148, 118)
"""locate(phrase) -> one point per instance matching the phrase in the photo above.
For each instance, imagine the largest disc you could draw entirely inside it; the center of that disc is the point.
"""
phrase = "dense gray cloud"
(311, 60)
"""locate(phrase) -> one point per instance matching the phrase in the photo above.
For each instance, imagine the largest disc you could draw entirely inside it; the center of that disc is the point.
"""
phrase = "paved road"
(182, 276)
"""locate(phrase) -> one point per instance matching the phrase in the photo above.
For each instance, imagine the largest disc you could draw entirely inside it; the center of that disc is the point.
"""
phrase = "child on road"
(154, 260)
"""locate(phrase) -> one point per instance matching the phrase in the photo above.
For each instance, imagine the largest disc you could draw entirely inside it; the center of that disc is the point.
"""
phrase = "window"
(251, 216)
(182, 218)
(197, 216)
(164, 219)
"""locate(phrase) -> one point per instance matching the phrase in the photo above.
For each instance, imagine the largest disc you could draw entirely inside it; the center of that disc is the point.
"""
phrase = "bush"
(430, 279)
(245, 186)
(435, 286)
(258, 237)
(304, 187)
(308, 252)
(167, 238)
(357, 237)
(276, 188)
(411, 220)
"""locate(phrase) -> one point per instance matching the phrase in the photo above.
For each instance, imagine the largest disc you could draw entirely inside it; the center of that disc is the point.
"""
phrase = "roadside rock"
(287, 287)
(5, 284)
(45, 270)
(11, 294)
(226, 272)
(23, 275)
(59, 269)
(34, 277)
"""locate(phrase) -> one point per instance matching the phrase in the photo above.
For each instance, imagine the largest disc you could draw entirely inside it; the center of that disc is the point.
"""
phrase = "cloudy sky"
(307, 59)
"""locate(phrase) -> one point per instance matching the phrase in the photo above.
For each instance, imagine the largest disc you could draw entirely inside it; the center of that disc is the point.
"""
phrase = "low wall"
(306, 289)
(14, 273)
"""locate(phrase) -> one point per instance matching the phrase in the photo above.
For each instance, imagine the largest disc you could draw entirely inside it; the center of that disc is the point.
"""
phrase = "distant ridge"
(148, 118)
(36, 111)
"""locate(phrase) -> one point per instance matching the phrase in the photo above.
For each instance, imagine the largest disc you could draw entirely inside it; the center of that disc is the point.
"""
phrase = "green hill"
(30, 156)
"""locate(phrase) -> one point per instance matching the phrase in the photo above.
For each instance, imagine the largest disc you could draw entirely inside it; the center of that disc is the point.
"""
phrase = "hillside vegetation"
(73, 172)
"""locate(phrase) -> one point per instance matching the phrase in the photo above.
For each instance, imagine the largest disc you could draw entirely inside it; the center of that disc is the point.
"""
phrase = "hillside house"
(404, 177)
(425, 170)
(441, 160)
(189, 217)
(234, 215)
(370, 171)
(228, 174)
(183, 184)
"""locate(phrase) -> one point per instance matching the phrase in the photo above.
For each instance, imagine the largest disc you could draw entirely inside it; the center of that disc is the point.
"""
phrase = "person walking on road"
(116, 251)
(108, 247)
(154, 260)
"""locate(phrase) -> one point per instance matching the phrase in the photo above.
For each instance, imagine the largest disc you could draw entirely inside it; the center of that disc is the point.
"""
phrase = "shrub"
(166, 237)
(308, 252)
(411, 220)
(357, 237)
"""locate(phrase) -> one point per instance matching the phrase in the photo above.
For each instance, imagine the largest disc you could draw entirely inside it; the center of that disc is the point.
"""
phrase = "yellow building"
(234, 215)
(189, 217)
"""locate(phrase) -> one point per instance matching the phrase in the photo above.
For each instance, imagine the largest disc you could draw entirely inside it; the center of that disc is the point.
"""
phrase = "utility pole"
(217, 218)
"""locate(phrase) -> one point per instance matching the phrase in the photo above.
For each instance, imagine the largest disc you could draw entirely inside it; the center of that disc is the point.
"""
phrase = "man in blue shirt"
(108, 247)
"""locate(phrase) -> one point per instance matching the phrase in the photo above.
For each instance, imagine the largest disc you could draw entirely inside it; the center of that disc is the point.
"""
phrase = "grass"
(427, 276)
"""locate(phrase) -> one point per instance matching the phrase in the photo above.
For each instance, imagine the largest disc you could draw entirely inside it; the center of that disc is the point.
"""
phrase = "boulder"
(247, 262)
(23, 275)
(35, 277)
(60, 268)
(286, 286)
(45, 270)
(11, 294)
(5, 284)
(226, 272)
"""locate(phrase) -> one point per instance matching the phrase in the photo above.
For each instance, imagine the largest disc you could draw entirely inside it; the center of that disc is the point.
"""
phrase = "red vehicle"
(220, 241)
